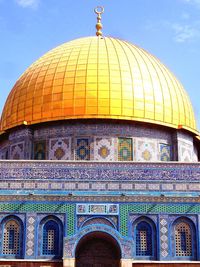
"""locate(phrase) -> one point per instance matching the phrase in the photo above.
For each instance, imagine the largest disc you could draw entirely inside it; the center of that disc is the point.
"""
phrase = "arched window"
(50, 245)
(183, 240)
(144, 240)
(12, 238)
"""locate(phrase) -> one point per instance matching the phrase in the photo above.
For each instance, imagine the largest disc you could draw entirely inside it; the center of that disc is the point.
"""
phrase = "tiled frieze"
(70, 171)
(60, 149)
(17, 151)
(20, 134)
(102, 129)
(107, 186)
(104, 149)
(106, 142)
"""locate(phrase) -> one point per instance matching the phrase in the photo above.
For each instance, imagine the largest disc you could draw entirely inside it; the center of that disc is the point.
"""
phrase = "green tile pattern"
(69, 209)
(154, 208)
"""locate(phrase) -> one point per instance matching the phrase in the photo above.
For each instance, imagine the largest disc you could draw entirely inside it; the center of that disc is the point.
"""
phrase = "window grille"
(50, 238)
(143, 239)
(183, 240)
(11, 238)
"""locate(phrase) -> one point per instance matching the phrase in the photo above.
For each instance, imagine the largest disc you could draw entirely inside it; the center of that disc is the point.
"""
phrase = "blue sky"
(169, 29)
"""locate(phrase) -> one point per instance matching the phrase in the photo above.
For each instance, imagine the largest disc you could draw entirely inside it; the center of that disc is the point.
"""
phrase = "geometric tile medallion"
(60, 149)
(146, 150)
(17, 151)
(104, 149)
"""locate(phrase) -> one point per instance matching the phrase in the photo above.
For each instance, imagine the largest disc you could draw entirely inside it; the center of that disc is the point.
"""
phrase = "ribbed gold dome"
(98, 78)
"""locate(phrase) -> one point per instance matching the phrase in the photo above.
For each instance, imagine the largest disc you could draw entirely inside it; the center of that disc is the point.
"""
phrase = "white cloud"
(184, 33)
(193, 2)
(28, 3)
(185, 16)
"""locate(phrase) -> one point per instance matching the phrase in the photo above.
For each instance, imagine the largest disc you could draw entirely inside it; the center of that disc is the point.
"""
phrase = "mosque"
(99, 161)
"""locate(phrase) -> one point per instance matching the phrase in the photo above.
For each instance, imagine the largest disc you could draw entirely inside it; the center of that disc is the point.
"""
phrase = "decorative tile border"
(97, 209)
(85, 171)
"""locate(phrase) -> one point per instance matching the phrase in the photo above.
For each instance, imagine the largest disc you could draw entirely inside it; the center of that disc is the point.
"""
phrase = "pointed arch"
(184, 239)
(145, 238)
(12, 235)
(51, 237)
(98, 220)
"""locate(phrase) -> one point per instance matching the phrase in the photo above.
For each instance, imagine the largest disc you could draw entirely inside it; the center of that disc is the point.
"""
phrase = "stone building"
(99, 161)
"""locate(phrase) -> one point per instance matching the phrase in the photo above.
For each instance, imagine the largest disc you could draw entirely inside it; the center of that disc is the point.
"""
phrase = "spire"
(99, 10)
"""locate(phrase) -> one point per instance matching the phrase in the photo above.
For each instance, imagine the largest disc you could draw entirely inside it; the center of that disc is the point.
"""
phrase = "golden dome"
(98, 78)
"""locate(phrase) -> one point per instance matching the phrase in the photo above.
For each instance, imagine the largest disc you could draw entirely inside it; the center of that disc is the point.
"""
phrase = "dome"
(98, 78)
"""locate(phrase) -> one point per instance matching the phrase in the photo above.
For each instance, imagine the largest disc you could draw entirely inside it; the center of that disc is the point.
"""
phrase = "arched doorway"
(98, 249)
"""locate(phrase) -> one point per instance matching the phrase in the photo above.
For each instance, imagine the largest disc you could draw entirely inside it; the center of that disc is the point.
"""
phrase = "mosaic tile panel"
(125, 149)
(40, 150)
(185, 147)
(4, 153)
(30, 234)
(164, 246)
(107, 130)
(83, 219)
(17, 151)
(165, 152)
(82, 149)
(195, 155)
(185, 153)
(69, 209)
(98, 221)
(146, 150)
(104, 149)
(60, 149)
(126, 244)
(20, 134)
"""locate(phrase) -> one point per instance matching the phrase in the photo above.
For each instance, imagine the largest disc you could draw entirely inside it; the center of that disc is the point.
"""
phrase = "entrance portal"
(98, 250)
